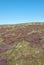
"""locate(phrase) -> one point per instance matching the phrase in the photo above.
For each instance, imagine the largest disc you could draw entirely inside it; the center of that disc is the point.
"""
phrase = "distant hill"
(22, 44)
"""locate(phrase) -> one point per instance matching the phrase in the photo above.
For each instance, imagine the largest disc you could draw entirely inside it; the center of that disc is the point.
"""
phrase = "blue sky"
(21, 11)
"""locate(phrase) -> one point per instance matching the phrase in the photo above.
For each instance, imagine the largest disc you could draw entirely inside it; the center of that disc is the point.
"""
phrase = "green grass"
(43, 40)
(24, 54)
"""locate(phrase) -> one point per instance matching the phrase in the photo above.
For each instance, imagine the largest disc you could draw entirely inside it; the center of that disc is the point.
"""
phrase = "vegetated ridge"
(22, 44)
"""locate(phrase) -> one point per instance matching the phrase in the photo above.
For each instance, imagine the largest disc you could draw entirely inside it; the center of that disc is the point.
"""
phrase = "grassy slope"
(18, 48)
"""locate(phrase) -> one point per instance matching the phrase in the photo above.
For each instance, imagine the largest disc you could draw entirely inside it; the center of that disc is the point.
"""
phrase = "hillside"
(22, 44)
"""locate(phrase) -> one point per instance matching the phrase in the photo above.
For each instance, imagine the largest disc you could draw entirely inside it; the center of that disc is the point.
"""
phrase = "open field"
(22, 44)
